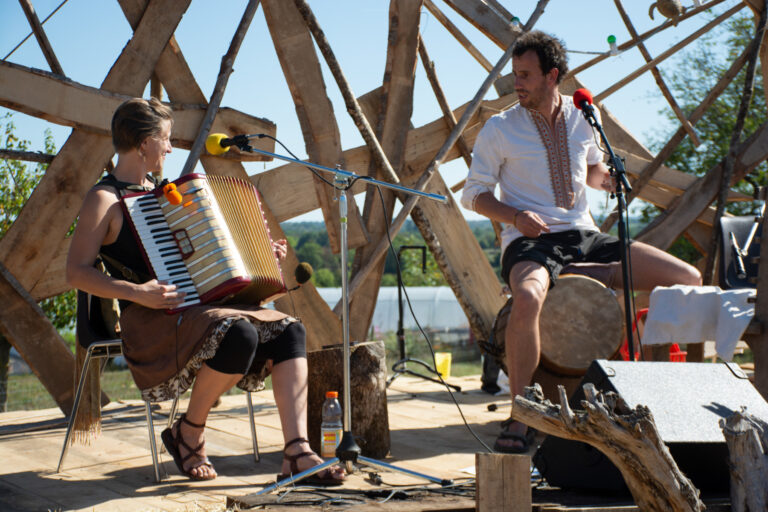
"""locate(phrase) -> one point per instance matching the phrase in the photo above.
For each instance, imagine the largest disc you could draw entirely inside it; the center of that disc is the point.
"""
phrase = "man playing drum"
(542, 154)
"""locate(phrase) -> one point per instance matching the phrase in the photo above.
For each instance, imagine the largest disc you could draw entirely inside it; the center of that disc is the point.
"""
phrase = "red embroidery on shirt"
(558, 158)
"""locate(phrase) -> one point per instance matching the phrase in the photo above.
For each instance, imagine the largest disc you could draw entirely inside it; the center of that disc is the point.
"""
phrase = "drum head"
(580, 322)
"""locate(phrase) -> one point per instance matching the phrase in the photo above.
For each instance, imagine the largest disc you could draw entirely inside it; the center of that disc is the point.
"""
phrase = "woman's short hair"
(551, 51)
(135, 120)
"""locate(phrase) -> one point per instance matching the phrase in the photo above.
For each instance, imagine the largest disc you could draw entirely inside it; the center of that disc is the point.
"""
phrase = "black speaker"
(687, 401)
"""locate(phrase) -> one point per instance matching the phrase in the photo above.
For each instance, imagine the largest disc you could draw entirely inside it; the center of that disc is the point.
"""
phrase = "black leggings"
(240, 347)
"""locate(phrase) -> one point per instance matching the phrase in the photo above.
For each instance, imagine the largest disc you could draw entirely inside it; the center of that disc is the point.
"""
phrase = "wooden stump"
(747, 439)
(503, 482)
(368, 380)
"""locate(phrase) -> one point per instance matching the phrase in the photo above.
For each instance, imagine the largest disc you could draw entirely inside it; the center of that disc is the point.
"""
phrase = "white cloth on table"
(537, 167)
(694, 314)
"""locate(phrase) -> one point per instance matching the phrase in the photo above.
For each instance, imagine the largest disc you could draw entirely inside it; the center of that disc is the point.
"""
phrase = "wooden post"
(42, 39)
(502, 482)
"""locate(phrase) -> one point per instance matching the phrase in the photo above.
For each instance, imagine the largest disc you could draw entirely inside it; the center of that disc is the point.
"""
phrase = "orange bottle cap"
(332, 394)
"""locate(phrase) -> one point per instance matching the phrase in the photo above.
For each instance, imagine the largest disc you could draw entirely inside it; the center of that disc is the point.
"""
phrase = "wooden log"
(46, 96)
(627, 437)
(487, 20)
(304, 77)
(227, 62)
(395, 108)
(502, 482)
(758, 343)
(27, 156)
(26, 327)
(659, 79)
(368, 382)
(535, 15)
(747, 440)
(672, 222)
(42, 39)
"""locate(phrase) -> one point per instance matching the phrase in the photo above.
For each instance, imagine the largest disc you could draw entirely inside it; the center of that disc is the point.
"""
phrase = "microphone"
(219, 143)
(582, 98)
(303, 273)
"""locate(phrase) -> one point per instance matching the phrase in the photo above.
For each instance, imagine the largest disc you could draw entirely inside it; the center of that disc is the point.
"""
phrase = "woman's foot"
(298, 457)
(515, 437)
(186, 443)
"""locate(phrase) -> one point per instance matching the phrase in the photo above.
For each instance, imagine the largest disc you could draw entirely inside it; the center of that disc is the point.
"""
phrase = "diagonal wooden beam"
(657, 76)
(668, 226)
(458, 35)
(487, 20)
(303, 74)
(25, 325)
(42, 39)
(396, 107)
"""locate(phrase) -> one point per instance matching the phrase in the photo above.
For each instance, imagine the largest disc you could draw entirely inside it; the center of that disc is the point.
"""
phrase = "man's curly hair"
(551, 51)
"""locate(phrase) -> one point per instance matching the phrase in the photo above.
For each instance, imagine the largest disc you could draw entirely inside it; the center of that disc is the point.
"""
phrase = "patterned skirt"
(164, 352)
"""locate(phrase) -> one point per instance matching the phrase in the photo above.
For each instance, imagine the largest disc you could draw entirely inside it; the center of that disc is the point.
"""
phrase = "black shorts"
(557, 250)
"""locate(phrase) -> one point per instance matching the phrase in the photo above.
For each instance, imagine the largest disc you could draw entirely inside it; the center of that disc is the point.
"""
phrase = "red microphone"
(582, 98)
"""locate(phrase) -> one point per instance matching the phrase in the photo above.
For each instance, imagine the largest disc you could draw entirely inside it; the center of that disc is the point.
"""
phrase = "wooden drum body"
(581, 321)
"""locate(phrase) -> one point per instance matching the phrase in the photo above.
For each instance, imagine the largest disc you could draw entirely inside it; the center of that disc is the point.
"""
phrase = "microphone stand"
(618, 172)
(348, 452)
(400, 366)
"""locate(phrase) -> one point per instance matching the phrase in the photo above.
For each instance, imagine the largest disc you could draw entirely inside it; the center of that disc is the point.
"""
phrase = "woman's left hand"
(281, 248)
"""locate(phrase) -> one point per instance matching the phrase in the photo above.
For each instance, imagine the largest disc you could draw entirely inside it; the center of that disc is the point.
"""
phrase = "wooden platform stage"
(115, 472)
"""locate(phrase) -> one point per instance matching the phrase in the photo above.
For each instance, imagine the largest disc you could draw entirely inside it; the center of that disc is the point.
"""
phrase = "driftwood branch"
(747, 440)
(628, 437)
(227, 63)
(537, 12)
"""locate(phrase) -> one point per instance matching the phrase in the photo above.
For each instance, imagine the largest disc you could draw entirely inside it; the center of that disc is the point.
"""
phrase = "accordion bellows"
(214, 245)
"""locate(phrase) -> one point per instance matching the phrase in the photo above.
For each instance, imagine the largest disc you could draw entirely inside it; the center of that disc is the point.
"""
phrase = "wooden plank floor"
(115, 471)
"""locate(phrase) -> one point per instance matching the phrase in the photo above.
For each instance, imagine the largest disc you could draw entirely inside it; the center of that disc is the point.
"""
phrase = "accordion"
(213, 245)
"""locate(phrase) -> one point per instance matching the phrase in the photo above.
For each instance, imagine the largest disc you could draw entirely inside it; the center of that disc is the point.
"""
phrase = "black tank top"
(126, 248)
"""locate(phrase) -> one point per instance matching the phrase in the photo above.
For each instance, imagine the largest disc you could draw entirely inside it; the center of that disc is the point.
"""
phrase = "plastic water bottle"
(331, 426)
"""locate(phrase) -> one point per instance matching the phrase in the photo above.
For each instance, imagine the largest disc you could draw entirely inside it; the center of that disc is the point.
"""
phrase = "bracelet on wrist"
(514, 218)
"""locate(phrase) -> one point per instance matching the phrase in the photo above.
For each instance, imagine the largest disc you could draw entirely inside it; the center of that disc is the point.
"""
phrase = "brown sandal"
(325, 478)
(172, 443)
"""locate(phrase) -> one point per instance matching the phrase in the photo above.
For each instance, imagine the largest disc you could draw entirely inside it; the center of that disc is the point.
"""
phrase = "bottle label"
(329, 440)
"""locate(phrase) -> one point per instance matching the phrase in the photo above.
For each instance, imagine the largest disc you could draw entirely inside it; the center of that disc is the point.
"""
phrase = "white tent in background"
(435, 307)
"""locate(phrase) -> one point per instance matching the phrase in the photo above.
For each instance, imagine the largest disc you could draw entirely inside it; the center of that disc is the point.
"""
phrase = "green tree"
(17, 180)
(694, 73)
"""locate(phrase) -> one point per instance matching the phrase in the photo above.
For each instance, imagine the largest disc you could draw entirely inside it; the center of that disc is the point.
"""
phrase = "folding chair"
(91, 328)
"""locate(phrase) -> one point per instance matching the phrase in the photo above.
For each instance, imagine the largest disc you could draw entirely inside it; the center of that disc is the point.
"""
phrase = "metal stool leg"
(171, 417)
(75, 405)
(152, 444)
(254, 440)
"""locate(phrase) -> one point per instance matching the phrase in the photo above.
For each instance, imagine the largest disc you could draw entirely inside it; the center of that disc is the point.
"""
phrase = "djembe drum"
(581, 321)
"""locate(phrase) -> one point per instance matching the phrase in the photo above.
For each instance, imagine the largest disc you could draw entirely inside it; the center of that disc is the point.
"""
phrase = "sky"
(88, 36)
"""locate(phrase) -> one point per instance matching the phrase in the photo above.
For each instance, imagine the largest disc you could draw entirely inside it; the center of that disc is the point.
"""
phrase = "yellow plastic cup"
(443, 363)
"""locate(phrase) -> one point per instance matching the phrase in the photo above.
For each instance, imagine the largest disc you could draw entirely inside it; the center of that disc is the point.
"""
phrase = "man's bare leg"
(529, 282)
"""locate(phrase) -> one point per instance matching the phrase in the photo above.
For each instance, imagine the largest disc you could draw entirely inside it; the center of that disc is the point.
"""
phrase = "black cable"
(313, 171)
(421, 330)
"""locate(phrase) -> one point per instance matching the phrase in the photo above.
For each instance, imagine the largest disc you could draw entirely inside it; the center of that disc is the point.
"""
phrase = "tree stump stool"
(368, 382)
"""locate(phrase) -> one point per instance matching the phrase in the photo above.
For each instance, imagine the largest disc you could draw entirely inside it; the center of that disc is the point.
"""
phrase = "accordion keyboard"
(163, 253)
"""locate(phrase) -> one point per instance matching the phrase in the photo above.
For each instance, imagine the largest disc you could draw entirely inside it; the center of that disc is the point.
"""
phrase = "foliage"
(310, 241)
(17, 181)
(694, 74)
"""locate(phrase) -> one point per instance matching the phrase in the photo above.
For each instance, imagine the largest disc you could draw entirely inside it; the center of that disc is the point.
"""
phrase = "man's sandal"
(525, 440)
(325, 478)
(173, 442)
